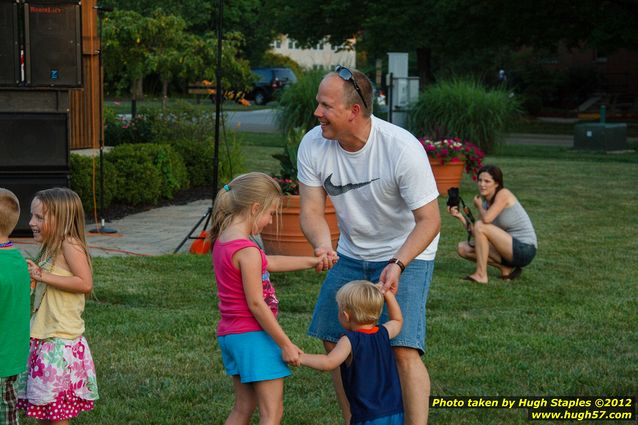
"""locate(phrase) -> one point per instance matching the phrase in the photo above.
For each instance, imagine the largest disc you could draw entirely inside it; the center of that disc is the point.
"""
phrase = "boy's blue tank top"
(371, 381)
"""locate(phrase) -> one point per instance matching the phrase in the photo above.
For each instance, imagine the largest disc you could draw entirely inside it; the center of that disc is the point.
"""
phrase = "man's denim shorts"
(412, 297)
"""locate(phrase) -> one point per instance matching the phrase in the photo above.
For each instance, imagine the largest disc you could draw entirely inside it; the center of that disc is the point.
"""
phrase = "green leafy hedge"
(83, 170)
(198, 157)
(144, 173)
(147, 172)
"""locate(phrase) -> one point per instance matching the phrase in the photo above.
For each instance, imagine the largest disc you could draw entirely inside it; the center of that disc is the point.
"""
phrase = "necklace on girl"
(6, 244)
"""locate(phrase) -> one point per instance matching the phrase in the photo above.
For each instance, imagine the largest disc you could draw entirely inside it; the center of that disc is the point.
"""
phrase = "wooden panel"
(84, 104)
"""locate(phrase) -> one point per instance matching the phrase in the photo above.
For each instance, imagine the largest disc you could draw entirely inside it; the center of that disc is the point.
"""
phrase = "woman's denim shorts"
(412, 297)
(522, 254)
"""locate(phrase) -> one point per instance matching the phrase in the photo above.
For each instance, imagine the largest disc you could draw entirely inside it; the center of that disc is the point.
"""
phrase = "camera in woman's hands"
(454, 200)
(453, 197)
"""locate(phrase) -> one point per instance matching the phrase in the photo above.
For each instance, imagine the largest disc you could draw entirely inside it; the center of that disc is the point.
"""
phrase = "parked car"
(268, 82)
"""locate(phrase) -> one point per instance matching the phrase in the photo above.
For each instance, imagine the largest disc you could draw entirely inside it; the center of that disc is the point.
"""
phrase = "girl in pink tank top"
(255, 349)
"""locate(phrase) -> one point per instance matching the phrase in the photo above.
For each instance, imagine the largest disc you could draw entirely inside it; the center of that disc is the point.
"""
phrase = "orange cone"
(201, 245)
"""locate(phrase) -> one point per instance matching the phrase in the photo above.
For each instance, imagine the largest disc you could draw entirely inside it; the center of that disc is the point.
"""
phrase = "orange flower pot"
(447, 175)
(289, 239)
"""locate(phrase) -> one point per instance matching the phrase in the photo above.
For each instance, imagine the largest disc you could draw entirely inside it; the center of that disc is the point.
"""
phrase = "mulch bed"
(117, 211)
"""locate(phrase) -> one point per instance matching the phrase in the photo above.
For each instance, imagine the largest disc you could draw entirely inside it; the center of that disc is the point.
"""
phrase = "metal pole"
(100, 228)
(218, 106)
(218, 97)
(390, 96)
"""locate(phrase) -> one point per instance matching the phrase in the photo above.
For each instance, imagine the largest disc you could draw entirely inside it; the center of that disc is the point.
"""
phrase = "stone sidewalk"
(155, 232)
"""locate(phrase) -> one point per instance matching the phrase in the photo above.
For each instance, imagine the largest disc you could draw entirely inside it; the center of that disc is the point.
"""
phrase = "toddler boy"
(368, 367)
(14, 309)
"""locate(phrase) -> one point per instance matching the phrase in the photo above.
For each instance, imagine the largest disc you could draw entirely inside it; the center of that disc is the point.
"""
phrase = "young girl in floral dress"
(60, 379)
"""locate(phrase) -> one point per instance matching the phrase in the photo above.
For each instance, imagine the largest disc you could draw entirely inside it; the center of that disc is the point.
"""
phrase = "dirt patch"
(116, 211)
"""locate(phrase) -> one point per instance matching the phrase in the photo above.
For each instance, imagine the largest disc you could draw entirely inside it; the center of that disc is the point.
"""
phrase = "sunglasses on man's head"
(346, 74)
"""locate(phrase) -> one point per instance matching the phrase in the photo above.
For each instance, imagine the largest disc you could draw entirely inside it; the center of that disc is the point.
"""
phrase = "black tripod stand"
(206, 217)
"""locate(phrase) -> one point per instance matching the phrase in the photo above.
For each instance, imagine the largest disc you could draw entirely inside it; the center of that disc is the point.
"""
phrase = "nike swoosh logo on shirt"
(333, 190)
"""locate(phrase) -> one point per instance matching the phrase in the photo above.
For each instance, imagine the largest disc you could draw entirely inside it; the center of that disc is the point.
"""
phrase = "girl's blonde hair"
(237, 198)
(64, 218)
(362, 300)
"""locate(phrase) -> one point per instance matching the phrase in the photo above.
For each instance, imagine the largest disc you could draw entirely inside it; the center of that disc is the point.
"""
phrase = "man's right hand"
(330, 258)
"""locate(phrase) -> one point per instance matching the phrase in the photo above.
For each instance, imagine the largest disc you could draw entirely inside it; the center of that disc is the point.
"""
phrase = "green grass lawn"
(533, 125)
(567, 327)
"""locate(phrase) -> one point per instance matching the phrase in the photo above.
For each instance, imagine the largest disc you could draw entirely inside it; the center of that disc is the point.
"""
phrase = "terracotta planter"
(447, 175)
(290, 240)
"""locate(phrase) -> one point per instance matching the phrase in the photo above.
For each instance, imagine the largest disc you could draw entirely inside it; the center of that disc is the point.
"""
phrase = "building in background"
(322, 55)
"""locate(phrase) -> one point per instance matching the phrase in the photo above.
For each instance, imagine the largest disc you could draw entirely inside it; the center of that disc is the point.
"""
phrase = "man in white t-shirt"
(380, 182)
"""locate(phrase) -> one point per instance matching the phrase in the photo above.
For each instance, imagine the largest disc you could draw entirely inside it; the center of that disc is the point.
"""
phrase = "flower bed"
(455, 150)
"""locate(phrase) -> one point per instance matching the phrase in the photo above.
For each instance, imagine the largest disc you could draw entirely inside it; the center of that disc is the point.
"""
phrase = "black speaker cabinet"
(53, 44)
(33, 142)
(9, 44)
(25, 185)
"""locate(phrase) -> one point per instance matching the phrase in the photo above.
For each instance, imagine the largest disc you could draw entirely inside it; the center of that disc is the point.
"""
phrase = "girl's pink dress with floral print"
(60, 379)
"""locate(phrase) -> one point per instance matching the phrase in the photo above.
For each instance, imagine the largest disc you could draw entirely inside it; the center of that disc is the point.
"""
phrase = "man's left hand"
(390, 278)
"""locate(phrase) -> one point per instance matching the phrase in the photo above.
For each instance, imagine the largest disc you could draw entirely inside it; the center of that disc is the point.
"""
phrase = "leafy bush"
(231, 157)
(198, 159)
(182, 120)
(464, 109)
(297, 103)
(82, 171)
(147, 172)
(119, 130)
(152, 125)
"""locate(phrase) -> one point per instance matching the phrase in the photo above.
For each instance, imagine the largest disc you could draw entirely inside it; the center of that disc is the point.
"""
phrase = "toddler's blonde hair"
(9, 211)
(362, 300)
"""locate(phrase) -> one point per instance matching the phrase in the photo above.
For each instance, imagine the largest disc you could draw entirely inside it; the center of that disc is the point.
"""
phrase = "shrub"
(231, 157)
(297, 103)
(182, 120)
(464, 109)
(198, 159)
(82, 171)
(119, 130)
(152, 125)
(147, 172)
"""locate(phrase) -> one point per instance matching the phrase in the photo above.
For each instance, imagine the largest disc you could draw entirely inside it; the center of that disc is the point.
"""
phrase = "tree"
(436, 29)
(127, 53)
(137, 46)
(251, 18)
(167, 46)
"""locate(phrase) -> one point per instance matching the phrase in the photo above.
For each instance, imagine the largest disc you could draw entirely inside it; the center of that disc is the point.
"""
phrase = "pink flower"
(48, 374)
(37, 368)
(78, 351)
